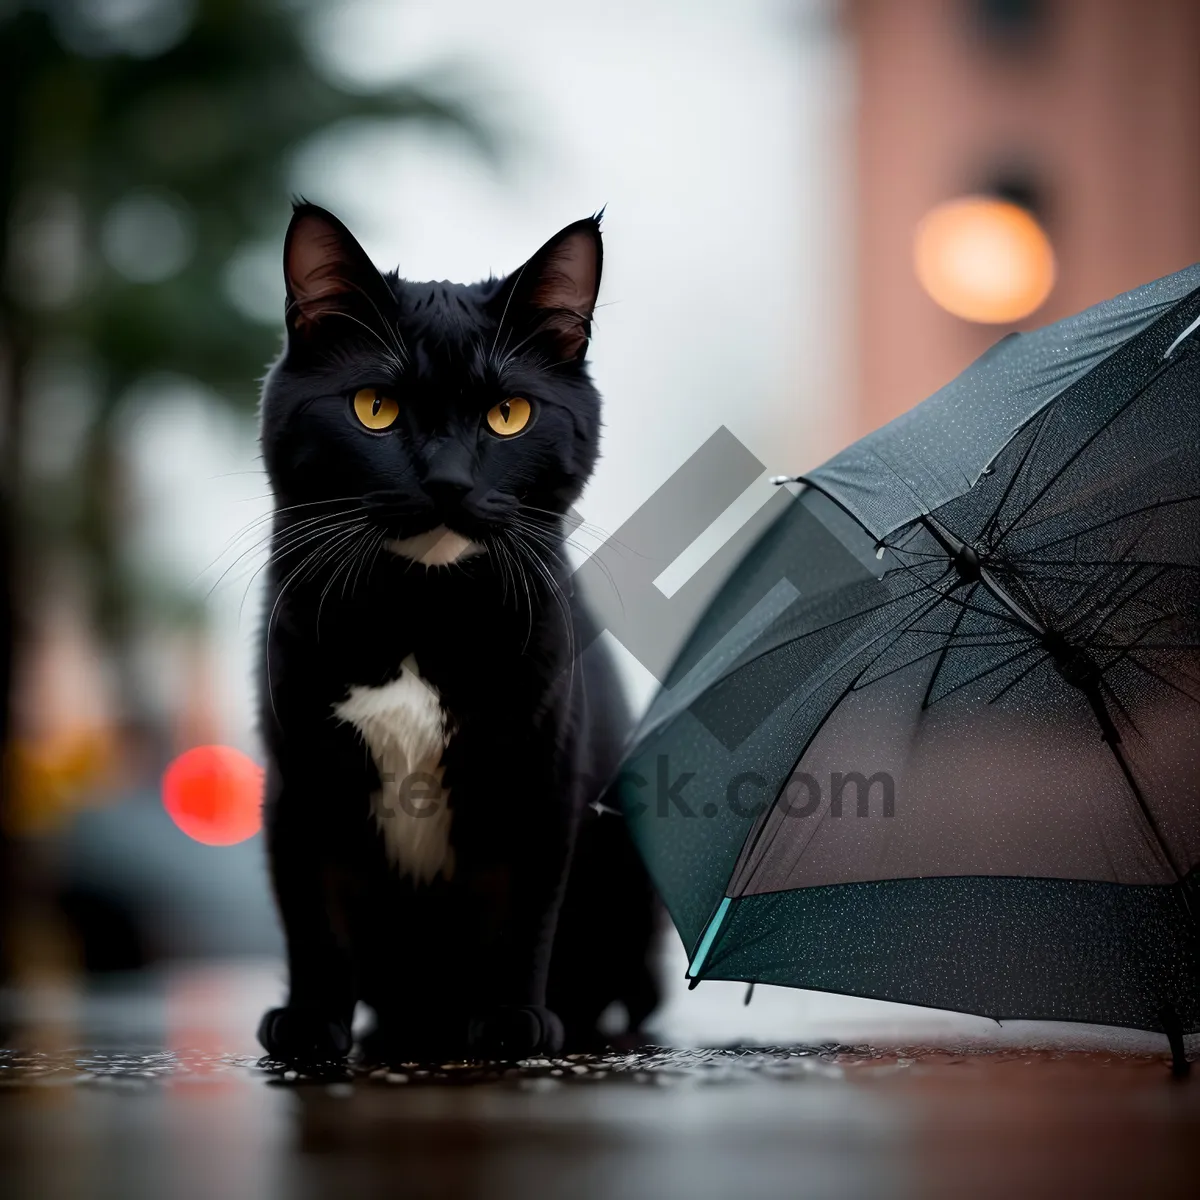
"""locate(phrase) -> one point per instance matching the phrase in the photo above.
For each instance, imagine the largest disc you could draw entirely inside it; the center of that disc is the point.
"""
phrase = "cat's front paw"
(515, 1031)
(301, 1036)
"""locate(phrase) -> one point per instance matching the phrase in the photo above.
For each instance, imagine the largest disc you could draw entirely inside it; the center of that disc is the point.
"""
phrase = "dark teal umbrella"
(937, 739)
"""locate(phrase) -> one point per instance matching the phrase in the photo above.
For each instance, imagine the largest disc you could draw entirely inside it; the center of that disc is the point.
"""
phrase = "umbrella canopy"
(937, 740)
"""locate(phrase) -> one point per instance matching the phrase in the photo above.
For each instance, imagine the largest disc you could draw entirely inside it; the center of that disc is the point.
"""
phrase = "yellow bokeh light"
(984, 259)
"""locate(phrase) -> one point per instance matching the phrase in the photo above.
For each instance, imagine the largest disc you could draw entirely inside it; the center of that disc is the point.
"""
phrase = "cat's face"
(446, 413)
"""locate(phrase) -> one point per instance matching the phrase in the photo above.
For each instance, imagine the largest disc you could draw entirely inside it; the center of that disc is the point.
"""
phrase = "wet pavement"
(153, 1088)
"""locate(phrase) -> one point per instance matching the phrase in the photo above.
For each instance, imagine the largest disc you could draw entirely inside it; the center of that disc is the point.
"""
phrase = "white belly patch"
(407, 730)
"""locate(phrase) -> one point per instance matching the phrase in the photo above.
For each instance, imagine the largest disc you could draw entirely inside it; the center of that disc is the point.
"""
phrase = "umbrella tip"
(778, 479)
(1173, 1028)
(693, 983)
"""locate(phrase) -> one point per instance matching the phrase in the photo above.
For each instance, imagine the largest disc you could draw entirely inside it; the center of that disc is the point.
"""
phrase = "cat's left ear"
(554, 293)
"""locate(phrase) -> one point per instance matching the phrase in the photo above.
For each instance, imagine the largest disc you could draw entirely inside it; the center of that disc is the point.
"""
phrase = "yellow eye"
(374, 410)
(510, 416)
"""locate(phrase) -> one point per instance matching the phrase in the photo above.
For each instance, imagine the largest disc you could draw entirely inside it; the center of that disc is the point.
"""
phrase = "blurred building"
(1084, 113)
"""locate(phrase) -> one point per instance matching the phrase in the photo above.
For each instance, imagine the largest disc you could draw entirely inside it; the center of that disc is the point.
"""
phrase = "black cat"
(434, 740)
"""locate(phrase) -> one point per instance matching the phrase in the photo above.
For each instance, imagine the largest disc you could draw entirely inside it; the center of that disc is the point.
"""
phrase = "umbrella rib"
(1028, 551)
(850, 687)
(1079, 450)
(980, 640)
(1139, 642)
(1003, 618)
(1012, 589)
(1012, 683)
(1107, 562)
(1111, 737)
(1176, 646)
(759, 654)
(1008, 662)
(1154, 457)
(750, 848)
(1086, 605)
(1141, 666)
(1151, 823)
(1159, 616)
(1107, 688)
(912, 662)
(1117, 605)
(1131, 570)
(1044, 577)
(1108, 488)
(928, 555)
(994, 520)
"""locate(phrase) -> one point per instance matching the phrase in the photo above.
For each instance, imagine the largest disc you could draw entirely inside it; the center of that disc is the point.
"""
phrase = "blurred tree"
(144, 145)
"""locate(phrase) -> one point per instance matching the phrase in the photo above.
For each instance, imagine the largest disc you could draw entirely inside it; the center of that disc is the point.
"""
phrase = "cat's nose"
(451, 474)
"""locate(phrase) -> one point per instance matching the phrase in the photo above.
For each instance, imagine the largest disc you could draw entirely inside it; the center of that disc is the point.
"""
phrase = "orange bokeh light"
(984, 259)
(214, 794)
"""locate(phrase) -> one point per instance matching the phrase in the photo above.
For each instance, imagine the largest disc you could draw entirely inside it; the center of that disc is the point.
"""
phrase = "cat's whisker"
(279, 595)
(589, 527)
(370, 548)
(513, 551)
(268, 518)
(321, 535)
(512, 291)
(296, 536)
(509, 572)
(262, 540)
(581, 527)
(343, 557)
(557, 595)
(499, 365)
(310, 561)
(333, 546)
(317, 544)
(283, 587)
(321, 542)
(397, 362)
(558, 536)
(389, 355)
(508, 355)
(401, 351)
(278, 553)
(517, 570)
(553, 541)
(511, 567)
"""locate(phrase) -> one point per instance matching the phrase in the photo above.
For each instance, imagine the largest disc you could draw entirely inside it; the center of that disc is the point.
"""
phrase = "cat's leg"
(510, 1018)
(314, 1024)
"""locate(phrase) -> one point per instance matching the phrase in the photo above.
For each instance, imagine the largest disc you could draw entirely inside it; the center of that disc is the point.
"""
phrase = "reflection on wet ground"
(656, 1066)
(157, 1092)
(653, 1065)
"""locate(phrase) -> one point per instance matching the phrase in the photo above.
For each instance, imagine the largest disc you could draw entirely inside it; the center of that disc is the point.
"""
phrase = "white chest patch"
(407, 730)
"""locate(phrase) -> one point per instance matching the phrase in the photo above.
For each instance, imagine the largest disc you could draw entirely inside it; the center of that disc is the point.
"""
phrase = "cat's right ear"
(328, 274)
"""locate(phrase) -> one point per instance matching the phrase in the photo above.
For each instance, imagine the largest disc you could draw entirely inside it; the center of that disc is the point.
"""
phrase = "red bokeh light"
(214, 794)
